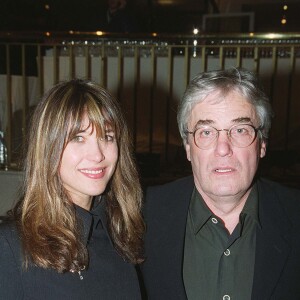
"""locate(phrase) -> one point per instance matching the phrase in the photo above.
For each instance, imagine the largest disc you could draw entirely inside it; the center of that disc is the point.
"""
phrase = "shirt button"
(227, 253)
(214, 220)
(226, 297)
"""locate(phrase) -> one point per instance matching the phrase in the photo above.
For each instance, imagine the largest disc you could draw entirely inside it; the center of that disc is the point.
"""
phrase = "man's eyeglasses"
(240, 135)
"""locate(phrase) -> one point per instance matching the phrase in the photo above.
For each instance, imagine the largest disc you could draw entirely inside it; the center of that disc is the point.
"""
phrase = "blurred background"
(145, 52)
(168, 16)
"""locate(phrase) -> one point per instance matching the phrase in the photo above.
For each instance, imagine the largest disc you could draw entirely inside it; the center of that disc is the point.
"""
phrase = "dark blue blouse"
(108, 276)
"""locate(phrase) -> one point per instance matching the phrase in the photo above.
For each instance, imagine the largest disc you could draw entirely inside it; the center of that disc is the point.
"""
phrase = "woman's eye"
(108, 138)
(78, 139)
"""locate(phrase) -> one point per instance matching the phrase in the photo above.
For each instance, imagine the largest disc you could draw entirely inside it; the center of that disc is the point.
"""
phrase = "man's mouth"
(223, 170)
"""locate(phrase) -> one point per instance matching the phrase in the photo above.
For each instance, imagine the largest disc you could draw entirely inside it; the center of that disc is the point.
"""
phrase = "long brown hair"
(46, 215)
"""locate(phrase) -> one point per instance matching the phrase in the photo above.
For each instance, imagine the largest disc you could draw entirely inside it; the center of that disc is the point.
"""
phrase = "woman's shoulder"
(7, 225)
(11, 262)
(10, 244)
(9, 232)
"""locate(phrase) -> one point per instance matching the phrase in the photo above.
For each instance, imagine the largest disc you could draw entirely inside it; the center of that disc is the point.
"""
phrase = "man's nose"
(223, 145)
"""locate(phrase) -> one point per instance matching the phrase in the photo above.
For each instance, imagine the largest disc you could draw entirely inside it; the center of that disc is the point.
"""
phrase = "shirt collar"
(90, 219)
(200, 213)
(251, 206)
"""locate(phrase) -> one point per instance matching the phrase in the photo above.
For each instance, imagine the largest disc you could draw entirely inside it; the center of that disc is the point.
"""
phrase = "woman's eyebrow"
(108, 130)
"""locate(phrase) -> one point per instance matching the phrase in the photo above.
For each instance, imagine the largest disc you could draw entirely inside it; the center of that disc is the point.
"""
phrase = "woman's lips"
(93, 173)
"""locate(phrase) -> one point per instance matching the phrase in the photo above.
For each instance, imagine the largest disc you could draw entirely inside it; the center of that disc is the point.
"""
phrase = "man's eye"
(240, 131)
(205, 133)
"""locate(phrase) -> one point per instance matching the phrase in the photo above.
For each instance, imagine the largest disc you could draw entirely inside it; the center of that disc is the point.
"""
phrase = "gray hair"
(243, 81)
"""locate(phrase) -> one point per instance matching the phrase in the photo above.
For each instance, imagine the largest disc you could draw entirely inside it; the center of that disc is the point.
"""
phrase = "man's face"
(223, 170)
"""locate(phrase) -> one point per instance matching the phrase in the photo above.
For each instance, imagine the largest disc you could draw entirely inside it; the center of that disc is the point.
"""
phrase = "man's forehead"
(232, 108)
(229, 100)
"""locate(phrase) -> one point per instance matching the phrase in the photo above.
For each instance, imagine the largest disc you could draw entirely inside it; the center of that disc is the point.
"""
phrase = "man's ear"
(188, 151)
(263, 148)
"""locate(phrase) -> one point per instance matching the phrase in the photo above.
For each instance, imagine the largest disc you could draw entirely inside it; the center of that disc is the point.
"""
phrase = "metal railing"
(147, 74)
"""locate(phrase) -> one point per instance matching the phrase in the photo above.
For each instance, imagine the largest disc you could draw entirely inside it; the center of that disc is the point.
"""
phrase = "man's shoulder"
(179, 184)
(279, 189)
(176, 193)
(273, 192)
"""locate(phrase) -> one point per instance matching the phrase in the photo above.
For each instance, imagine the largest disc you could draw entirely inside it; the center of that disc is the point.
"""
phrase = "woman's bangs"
(100, 120)
(75, 124)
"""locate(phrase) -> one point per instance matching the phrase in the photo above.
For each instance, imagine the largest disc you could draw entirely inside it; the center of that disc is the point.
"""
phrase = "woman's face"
(88, 163)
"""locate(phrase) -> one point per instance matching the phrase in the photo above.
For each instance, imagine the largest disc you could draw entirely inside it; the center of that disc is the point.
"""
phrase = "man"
(223, 233)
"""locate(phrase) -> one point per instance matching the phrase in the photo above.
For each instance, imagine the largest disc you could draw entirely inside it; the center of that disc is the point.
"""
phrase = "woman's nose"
(96, 151)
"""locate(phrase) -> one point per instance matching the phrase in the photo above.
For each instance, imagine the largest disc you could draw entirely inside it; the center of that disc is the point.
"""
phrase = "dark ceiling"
(167, 16)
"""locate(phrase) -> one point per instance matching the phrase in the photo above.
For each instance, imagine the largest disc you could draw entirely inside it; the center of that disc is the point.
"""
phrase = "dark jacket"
(108, 276)
(277, 257)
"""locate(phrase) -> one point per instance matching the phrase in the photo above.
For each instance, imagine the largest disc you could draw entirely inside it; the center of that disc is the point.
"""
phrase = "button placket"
(214, 220)
(227, 252)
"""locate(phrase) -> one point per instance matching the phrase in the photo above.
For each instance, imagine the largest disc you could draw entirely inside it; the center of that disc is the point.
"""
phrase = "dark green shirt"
(218, 265)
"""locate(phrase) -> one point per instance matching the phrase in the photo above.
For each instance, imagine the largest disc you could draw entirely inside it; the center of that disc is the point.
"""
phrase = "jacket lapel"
(184, 197)
(272, 248)
(166, 235)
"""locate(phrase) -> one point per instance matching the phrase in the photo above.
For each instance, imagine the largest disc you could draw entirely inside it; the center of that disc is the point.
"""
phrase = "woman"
(63, 242)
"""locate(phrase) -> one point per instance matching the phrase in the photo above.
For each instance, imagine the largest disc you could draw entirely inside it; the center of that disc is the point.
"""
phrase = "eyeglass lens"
(241, 135)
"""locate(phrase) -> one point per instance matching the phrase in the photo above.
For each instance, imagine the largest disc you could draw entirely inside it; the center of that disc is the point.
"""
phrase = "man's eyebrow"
(242, 120)
(204, 122)
(238, 120)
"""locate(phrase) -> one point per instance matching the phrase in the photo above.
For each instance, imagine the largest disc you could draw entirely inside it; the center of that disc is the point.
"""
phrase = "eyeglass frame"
(256, 130)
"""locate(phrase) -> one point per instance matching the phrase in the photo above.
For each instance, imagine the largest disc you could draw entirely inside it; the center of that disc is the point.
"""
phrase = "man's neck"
(228, 209)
